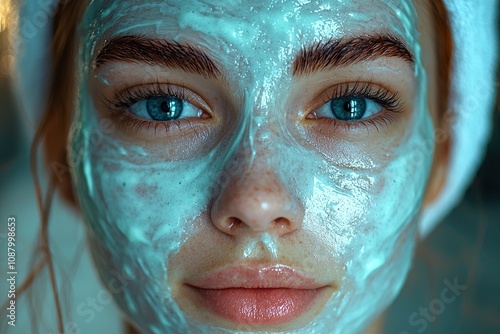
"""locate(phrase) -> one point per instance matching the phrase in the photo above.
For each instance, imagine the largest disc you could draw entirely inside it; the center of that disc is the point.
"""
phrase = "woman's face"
(251, 166)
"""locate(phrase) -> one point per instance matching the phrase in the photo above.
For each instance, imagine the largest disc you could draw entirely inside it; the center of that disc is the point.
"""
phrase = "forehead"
(277, 24)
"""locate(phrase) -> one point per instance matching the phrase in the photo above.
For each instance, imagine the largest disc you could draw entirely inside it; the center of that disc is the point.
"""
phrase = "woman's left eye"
(164, 108)
(348, 108)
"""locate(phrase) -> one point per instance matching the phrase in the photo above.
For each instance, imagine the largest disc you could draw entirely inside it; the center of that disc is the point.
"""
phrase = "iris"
(164, 108)
(348, 108)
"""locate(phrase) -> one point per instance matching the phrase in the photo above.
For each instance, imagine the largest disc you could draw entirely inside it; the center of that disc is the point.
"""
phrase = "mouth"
(269, 295)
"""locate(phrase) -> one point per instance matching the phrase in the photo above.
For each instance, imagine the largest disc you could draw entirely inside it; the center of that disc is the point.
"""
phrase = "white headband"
(473, 24)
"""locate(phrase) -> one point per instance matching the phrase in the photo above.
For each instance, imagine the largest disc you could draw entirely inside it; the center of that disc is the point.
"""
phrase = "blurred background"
(464, 248)
(11, 135)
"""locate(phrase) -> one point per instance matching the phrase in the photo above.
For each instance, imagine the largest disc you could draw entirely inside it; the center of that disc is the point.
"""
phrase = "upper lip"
(256, 277)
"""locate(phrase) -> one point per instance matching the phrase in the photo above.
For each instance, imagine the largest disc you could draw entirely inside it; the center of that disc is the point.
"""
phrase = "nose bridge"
(256, 170)
(254, 151)
(258, 135)
(261, 115)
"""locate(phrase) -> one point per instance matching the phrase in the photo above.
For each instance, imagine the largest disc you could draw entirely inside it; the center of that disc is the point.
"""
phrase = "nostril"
(233, 223)
(282, 223)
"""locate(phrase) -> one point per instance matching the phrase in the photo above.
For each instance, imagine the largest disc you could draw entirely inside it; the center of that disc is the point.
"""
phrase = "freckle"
(145, 190)
(124, 184)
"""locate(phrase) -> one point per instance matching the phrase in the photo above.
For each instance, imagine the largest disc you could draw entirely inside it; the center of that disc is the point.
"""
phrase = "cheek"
(374, 213)
(359, 212)
(144, 202)
(135, 216)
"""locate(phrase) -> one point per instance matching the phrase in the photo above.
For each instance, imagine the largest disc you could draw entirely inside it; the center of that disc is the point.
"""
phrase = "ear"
(439, 170)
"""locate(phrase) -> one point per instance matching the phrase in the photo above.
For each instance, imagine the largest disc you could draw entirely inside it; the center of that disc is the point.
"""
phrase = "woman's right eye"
(144, 109)
(164, 108)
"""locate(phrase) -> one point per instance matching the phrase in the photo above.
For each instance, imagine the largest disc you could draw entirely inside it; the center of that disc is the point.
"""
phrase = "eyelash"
(122, 100)
(390, 102)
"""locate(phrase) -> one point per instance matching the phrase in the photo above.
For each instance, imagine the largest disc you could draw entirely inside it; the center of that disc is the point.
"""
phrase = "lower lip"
(259, 306)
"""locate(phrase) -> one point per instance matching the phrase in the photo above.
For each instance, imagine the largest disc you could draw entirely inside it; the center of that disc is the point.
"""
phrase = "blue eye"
(164, 108)
(348, 108)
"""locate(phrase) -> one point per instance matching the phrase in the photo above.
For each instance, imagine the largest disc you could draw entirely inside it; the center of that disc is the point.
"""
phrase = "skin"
(258, 178)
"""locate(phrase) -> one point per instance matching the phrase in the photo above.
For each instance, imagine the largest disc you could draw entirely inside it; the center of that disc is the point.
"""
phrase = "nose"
(254, 202)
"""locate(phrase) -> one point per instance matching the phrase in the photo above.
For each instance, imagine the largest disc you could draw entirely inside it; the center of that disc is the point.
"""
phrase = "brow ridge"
(140, 49)
(342, 52)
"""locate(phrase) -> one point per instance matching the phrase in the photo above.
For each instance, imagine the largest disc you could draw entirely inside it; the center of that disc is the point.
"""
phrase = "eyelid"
(122, 99)
(389, 100)
(117, 108)
(392, 103)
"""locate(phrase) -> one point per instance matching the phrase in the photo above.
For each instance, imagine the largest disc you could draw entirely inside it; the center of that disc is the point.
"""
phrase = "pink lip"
(257, 295)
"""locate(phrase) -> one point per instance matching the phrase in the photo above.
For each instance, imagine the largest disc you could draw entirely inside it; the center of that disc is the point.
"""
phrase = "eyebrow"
(342, 52)
(139, 49)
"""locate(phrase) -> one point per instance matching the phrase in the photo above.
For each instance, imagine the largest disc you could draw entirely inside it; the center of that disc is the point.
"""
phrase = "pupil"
(348, 108)
(164, 108)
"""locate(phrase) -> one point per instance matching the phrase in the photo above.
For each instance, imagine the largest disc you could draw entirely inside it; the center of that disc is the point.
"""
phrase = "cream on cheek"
(137, 214)
(140, 213)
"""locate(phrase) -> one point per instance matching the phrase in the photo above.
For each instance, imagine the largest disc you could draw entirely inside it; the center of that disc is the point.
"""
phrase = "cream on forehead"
(276, 25)
(284, 18)
(338, 200)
